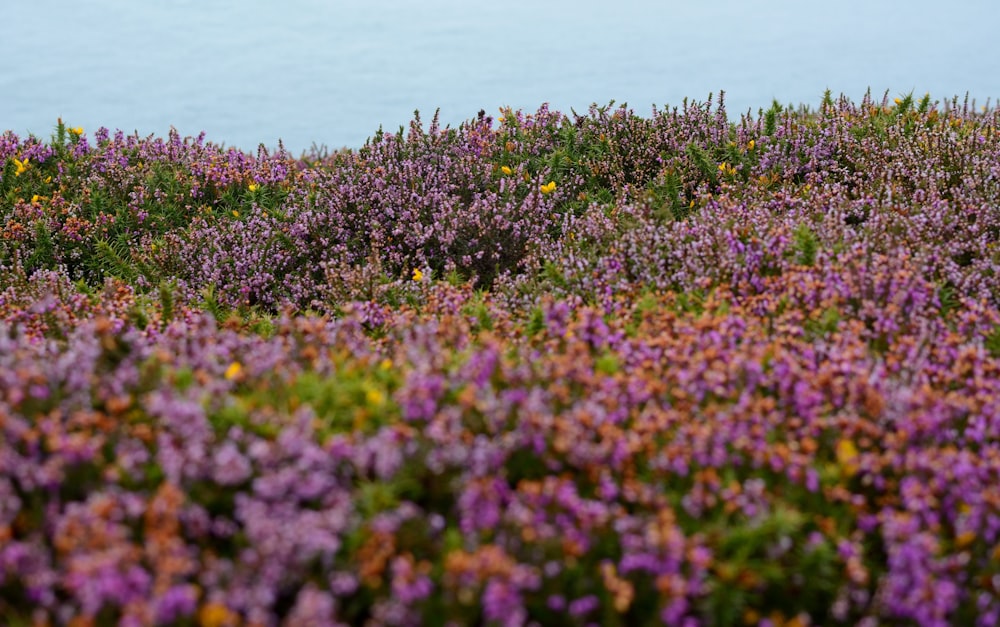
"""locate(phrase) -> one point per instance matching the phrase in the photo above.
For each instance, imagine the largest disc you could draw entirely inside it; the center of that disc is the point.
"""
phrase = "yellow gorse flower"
(374, 397)
(20, 166)
(76, 130)
(417, 274)
(506, 170)
(847, 456)
(727, 169)
(750, 145)
(548, 188)
(234, 370)
(253, 187)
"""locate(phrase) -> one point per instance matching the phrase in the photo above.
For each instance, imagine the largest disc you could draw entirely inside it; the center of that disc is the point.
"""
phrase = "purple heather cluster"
(535, 370)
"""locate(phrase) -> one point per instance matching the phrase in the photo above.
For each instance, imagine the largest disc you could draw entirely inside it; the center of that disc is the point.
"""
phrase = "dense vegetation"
(600, 368)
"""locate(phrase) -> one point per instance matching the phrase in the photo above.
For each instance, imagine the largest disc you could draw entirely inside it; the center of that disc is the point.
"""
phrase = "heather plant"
(536, 369)
(103, 210)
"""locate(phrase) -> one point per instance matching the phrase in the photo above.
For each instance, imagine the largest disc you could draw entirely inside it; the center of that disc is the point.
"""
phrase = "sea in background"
(250, 72)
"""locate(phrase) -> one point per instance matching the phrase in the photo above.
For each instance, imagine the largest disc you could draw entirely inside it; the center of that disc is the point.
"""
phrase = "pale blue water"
(254, 71)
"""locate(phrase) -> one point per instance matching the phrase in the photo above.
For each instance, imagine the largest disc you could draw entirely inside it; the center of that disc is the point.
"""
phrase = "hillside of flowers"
(685, 368)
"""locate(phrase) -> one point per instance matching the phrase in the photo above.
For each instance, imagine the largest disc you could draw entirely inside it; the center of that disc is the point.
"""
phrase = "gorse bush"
(550, 369)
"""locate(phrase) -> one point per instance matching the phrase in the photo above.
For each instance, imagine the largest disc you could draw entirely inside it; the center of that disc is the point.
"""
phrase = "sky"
(248, 72)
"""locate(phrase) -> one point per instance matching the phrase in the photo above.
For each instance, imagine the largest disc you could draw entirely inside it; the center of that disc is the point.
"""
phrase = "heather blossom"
(601, 368)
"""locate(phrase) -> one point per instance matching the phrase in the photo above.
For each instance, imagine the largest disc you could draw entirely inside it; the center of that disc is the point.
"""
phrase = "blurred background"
(250, 72)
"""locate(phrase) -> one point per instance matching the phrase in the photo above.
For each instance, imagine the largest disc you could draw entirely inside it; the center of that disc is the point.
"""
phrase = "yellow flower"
(216, 615)
(76, 130)
(253, 187)
(549, 187)
(386, 364)
(847, 455)
(234, 370)
(750, 145)
(236, 213)
(20, 166)
(374, 397)
(727, 169)
(417, 274)
(35, 198)
(506, 170)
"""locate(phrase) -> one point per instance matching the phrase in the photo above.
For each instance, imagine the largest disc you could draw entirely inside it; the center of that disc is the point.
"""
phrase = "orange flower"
(216, 615)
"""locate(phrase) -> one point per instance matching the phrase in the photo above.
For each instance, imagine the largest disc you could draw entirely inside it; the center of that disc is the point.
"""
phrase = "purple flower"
(176, 603)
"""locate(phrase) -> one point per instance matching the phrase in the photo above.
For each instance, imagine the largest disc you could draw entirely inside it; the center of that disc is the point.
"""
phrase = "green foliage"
(771, 118)
(8, 180)
(704, 162)
(524, 465)
(42, 255)
(536, 322)
(479, 311)
(948, 297)
(691, 301)
(374, 497)
(805, 245)
(825, 324)
(182, 379)
(644, 305)
(925, 104)
(347, 402)
(607, 363)
(754, 564)
(210, 303)
(113, 259)
(826, 103)
(992, 343)
(166, 293)
(554, 274)
(904, 104)
(667, 198)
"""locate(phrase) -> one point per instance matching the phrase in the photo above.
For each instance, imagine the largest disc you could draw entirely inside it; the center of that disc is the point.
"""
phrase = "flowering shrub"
(539, 369)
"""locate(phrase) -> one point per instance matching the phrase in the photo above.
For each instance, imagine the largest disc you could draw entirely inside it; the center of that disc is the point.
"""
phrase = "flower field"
(587, 369)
